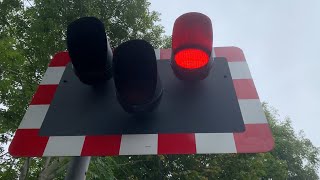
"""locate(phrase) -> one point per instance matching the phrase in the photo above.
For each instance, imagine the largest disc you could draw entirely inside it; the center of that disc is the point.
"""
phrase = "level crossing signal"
(95, 100)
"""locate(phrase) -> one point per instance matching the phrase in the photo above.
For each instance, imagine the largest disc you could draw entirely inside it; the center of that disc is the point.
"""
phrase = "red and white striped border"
(256, 138)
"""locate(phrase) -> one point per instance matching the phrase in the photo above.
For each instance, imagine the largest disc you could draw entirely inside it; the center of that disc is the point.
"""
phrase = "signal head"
(89, 50)
(136, 78)
(192, 46)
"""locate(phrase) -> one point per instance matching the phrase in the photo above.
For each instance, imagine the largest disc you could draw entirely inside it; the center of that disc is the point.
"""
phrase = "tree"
(166, 42)
(31, 32)
(300, 155)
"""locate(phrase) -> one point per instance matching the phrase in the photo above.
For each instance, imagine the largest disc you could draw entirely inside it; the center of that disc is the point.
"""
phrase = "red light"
(191, 58)
(192, 30)
(191, 46)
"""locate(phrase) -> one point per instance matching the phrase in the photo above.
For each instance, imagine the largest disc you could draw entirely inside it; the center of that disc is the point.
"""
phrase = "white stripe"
(53, 75)
(215, 143)
(64, 146)
(213, 53)
(157, 52)
(252, 112)
(239, 70)
(34, 117)
(137, 144)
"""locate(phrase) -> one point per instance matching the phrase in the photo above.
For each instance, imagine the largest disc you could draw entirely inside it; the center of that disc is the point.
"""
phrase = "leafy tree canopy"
(31, 32)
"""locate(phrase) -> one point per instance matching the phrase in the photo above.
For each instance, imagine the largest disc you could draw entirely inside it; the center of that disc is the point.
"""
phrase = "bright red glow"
(192, 30)
(191, 58)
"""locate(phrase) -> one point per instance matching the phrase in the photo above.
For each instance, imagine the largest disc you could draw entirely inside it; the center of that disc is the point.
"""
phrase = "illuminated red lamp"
(192, 46)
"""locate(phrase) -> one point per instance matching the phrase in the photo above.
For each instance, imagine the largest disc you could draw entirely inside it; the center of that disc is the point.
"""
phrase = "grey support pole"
(78, 168)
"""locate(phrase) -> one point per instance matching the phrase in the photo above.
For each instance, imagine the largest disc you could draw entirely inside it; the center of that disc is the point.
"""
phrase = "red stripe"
(233, 54)
(176, 144)
(60, 59)
(44, 94)
(245, 89)
(256, 138)
(28, 143)
(108, 145)
(165, 53)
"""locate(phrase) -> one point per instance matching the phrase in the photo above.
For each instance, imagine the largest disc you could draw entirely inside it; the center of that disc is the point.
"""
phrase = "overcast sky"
(280, 40)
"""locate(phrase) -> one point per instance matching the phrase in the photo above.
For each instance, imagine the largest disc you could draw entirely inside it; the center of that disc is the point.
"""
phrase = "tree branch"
(50, 169)
(58, 171)
(25, 169)
(46, 164)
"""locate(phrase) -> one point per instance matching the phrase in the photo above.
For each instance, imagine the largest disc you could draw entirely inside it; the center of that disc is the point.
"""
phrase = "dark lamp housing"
(136, 78)
(89, 50)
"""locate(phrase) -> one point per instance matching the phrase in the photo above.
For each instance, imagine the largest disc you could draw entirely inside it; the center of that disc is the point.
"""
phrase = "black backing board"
(211, 106)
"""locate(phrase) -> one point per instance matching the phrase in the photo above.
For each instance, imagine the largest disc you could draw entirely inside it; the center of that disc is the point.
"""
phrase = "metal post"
(78, 168)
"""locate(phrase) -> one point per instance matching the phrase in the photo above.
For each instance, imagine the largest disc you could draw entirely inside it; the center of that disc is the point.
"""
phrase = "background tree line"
(31, 32)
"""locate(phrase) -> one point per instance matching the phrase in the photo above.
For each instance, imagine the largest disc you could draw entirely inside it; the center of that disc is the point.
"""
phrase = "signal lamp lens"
(192, 46)
(136, 77)
(89, 50)
(191, 58)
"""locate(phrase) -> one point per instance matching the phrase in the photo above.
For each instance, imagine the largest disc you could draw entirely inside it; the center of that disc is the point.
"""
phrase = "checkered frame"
(257, 136)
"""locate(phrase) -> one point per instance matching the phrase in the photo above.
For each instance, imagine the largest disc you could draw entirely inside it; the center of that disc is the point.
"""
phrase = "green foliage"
(30, 35)
(98, 170)
(300, 155)
(31, 32)
(166, 43)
